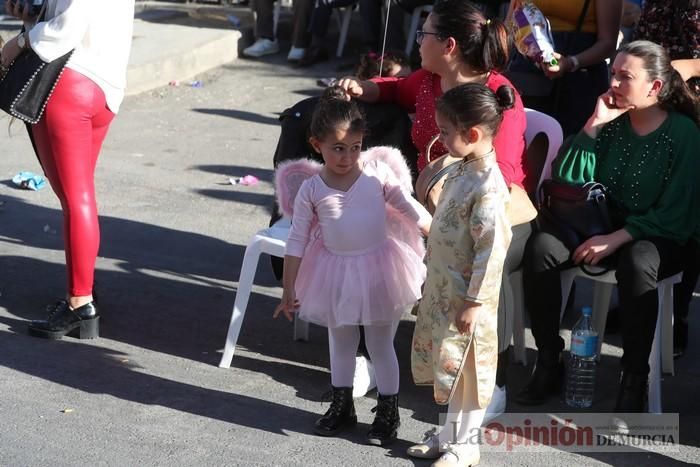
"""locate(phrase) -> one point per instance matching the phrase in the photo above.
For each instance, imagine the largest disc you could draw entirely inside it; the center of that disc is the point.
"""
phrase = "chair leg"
(347, 16)
(245, 285)
(301, 329)
(567, 281)
(412, 28)
(276, 17)
(602, 292)
(518, 310)
(654, 396)
(666, 302)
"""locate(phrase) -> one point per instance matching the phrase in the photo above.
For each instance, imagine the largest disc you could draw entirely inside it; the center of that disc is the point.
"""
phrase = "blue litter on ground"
(29, 181)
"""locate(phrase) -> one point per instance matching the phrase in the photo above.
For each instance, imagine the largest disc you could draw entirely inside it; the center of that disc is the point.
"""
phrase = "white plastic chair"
(413, 26)
(277, 8)
(661, 356)
(537, 122)
(345, 15)
(272, 241)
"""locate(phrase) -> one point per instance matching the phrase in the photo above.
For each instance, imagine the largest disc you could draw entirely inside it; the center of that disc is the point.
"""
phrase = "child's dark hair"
(483, 42)
(472, 104)
(675, 95)
(369, 64)
(334, 110)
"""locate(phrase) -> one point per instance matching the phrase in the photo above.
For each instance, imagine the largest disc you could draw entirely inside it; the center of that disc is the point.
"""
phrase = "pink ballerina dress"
(361, 249)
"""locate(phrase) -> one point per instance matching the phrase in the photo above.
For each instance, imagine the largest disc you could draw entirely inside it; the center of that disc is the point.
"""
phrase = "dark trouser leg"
(318, 26)
(302, 17)
(372, 26)
(513, 261)
(640, 265)
(264, 23)
(545, 257)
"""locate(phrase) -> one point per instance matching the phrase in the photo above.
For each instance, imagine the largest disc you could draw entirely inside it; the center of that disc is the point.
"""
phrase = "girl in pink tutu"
(354, 257)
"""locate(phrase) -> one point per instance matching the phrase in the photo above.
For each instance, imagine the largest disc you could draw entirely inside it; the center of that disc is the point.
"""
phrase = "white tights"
(343, 342)
(464, 417)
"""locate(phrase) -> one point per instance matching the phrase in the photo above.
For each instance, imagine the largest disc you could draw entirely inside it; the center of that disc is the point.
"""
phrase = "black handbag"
(27, 85)
(574, 213)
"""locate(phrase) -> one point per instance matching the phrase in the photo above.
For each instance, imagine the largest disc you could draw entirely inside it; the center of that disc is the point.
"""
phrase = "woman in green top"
(642, 143)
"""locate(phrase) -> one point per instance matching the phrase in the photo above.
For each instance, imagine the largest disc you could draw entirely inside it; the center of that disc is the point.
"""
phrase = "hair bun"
(505, 96)
(333, 93)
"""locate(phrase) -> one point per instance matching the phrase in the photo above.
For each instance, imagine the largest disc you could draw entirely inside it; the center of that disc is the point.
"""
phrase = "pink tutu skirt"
(372, 288)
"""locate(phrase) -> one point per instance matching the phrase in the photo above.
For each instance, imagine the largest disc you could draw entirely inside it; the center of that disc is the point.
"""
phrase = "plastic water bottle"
(580, 375)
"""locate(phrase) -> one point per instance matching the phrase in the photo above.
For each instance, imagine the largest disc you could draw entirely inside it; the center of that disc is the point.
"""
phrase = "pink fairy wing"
(289, 176)
(398, 226)
(396, 162)
(401, 228)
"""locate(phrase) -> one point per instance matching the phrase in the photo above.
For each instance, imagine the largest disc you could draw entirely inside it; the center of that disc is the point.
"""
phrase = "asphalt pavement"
(148, 391)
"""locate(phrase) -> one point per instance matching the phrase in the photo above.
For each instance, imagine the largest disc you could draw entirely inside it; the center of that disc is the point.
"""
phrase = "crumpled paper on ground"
(29, 181)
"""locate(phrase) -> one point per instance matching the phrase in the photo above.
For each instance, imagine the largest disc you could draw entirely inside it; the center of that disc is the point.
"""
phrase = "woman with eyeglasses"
(459, 45)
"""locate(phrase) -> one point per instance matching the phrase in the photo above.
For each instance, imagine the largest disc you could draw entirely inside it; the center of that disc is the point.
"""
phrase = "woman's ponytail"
(495, 45)
(677, 96)
(483, 42)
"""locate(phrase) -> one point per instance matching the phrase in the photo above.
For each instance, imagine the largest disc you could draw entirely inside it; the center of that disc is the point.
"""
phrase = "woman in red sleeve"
(458, 45)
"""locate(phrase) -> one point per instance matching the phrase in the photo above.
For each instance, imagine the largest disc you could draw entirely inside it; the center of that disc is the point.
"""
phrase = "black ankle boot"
(386, 422)
(546, 381)
(341, 413)
(82, 321)
(632, 394)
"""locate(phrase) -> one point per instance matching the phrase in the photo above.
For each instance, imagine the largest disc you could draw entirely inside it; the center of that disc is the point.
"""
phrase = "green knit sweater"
(653, 178)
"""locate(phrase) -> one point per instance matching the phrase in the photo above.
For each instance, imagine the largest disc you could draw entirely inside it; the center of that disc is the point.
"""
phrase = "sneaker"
(497, 405)
(295, 54)
(364, 380)
(262, 47)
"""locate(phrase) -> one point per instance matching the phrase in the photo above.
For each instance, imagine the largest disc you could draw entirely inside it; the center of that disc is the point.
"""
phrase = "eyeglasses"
(420, 34)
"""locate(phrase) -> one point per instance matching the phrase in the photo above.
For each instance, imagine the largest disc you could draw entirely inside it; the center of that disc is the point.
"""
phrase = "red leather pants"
(68, 139)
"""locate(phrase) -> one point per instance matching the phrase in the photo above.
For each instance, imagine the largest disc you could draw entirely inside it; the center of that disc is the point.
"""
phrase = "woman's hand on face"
(351, 85)
(606, 110)
(465, 319)
(288, 305)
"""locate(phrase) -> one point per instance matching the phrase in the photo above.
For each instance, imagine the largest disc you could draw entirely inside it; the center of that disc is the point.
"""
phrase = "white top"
(100, 31)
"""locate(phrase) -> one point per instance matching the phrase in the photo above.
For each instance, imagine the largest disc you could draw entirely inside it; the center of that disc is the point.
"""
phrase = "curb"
(148, 71)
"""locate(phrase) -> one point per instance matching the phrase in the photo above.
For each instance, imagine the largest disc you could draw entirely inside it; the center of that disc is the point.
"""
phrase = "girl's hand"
(352, 86)
(606, 110)
(18, 9)
(593, 250)
(288, 305)
(465, 320)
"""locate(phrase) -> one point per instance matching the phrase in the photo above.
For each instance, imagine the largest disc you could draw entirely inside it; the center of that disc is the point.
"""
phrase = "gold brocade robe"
(468, 241)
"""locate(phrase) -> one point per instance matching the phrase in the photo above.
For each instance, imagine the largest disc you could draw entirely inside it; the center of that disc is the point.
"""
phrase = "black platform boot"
(546, 381)
(632, 394)
(82, 322)
(386, 422)
(341, 413)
